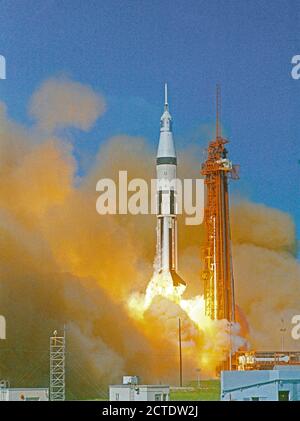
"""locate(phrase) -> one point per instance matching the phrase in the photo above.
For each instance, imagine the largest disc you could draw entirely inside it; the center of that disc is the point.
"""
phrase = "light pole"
(180, 352)
(282, 330)
(230, 348)
(198, 377)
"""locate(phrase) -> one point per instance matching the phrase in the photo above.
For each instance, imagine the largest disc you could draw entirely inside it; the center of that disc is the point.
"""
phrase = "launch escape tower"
(217, 272)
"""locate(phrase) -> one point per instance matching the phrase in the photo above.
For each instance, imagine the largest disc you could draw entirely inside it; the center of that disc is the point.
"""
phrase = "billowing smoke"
(267, 273)
(62, 263)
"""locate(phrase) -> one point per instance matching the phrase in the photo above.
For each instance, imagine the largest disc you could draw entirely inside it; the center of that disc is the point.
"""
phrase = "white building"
(24, 394)
(130, 390)
(281, 383)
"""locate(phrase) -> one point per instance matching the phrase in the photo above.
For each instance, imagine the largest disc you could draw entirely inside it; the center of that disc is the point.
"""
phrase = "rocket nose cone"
(166, 145)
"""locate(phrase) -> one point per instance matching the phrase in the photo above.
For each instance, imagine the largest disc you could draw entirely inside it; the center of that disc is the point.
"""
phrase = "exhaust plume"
(62, 263)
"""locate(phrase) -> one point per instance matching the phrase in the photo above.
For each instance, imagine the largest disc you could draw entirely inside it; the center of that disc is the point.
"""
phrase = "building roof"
(235, 380)
(25, 388)
(149, 386)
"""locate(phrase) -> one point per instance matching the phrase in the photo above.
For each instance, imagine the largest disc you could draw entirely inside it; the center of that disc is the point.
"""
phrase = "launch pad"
(264, 360)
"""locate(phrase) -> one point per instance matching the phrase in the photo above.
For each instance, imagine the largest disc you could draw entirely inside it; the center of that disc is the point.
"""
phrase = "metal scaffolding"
(217, 262)
(57, 366)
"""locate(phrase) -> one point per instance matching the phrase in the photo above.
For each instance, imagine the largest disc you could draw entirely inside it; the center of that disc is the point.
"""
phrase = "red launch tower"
(217, 271)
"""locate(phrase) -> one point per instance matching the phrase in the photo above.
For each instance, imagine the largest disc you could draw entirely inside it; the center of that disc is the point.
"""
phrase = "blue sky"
(126, 49)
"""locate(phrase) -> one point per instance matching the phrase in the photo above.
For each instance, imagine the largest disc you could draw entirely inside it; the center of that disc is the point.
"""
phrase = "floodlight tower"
(57, 366)
(217, 272)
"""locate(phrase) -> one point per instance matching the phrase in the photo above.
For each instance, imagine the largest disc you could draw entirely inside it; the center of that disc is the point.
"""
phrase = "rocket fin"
(177, 280)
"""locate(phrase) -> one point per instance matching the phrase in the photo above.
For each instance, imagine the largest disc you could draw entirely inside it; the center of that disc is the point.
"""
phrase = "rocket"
(166, 166)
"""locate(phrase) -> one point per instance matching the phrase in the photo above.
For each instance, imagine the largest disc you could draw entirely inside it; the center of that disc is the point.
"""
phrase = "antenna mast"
(218, 111)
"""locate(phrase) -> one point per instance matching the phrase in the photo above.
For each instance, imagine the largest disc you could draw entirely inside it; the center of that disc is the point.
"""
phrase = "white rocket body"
(166, 165)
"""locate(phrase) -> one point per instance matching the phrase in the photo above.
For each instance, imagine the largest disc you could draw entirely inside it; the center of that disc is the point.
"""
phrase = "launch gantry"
(217, 272)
